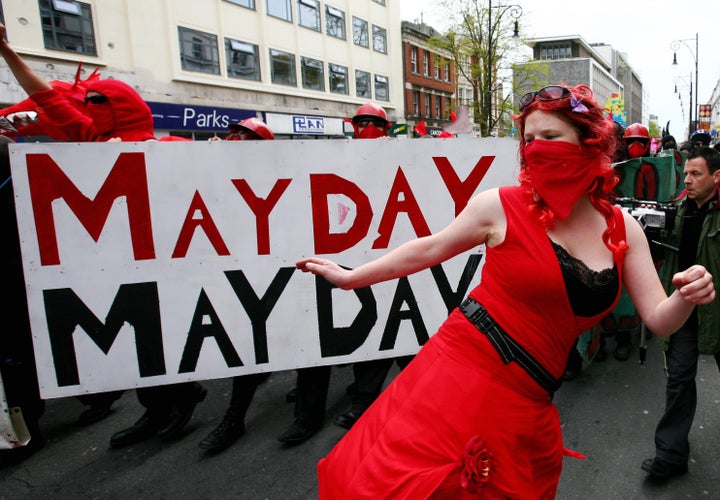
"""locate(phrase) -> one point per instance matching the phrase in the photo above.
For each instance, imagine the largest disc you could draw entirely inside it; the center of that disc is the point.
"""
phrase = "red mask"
(372, 132)
(637, 149)
(560, 173)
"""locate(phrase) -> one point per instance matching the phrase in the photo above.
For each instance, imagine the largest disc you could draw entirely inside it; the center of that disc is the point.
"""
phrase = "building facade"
(573, 61)
(300, 65)
(430, 79)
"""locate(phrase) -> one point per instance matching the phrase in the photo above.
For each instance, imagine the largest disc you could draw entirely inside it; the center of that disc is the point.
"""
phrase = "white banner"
(155, 263)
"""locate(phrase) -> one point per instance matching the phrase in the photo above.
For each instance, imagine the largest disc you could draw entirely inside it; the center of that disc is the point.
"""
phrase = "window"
(334, 22)
(68, 26)
(309, 14)
(282, 68)
(313, 73)
(560, 50)
(416, 103)
(379, 39)
(362, 84)
(360, 32)
(427, 105)
(447, 71)
(436, 67)
(338, 79)
(280, 8)
(438, 104)
(426, 63)
(413, 59)
(199, 51)
(382, 91)
(381, 2)
(250, 4)
(242, 60)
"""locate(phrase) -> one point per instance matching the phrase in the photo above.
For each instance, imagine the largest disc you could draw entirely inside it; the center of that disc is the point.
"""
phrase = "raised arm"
(26, 77)
(662, 315)
(482, 221)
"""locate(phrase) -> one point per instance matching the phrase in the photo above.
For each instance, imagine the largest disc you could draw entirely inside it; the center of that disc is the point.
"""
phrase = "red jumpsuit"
(457, 404)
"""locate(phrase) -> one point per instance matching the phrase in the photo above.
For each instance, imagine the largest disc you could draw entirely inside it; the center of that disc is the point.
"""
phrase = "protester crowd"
(99, 110)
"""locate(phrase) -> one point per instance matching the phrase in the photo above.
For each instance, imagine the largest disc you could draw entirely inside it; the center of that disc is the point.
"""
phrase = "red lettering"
(191, 224)
(261, 207)
(322, 185)
(127, 178)
(460, 191)
(395, 205)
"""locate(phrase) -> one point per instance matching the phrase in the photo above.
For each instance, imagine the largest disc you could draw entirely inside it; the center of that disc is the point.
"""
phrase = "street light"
(690, 130)
(674, 46)
(515, 12)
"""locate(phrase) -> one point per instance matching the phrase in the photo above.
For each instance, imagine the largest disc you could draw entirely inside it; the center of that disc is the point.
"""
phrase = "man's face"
(699, 182)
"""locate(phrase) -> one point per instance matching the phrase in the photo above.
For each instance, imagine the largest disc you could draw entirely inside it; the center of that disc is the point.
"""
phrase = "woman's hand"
(695, 285)
(327, 269)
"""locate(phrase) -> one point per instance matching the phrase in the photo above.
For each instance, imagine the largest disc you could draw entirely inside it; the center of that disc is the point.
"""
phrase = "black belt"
(506, 346)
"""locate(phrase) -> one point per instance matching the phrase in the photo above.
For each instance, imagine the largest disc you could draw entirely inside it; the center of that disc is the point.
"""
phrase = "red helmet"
(255, 125)
(637, 138)
(637, 130)
(370, 109)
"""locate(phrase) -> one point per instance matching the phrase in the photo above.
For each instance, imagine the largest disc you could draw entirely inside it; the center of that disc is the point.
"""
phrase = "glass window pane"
(282, 68)
(379, 39)
(242, 60)
(309, 14)
(362, 84)
(338, 79)
(382, 91)
(313, 74)
(199, 51)
(335, 22)
(250, 4)
(360, 32)
(280, 8)
(68, 26)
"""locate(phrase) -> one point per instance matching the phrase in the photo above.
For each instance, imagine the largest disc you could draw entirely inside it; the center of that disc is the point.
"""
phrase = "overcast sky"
(644, 35)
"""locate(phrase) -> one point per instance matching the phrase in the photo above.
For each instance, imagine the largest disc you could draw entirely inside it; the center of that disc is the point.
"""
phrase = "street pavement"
(608, 413)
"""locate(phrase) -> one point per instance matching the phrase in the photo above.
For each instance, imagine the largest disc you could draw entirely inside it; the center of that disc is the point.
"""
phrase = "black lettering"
(136, 304)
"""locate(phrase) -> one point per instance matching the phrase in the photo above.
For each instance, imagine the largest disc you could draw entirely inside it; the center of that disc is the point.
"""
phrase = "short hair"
(710, 155)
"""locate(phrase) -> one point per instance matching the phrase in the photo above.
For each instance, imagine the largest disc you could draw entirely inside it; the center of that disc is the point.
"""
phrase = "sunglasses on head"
(96, 99)
(549, 93)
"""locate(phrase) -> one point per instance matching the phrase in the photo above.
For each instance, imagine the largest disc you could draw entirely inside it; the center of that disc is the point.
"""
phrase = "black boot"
(143, 429)
(225, 434)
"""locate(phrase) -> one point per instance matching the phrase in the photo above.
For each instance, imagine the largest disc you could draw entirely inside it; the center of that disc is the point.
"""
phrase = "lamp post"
(674, 46)
(690, 131)
(515, 12)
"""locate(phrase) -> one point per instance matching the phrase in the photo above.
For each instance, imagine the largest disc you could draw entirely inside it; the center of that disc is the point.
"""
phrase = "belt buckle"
(474, 311)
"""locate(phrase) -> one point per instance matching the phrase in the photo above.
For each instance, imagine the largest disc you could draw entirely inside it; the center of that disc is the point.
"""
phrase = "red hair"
(597, 135)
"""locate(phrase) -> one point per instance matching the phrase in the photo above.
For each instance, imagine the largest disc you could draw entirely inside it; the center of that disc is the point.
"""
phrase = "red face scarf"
(372, 132)
(560, 173)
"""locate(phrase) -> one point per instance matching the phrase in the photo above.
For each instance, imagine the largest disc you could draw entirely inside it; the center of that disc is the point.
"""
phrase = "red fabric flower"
(477, 463)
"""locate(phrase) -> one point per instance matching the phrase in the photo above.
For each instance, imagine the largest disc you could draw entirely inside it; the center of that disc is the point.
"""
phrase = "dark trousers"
(161, 398)
(673, 429)
(243, 391)
(312, 389)
(370, 377)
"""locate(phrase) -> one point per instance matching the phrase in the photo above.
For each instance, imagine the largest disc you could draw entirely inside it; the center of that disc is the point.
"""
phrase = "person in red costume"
(472, 414)
(115, 112)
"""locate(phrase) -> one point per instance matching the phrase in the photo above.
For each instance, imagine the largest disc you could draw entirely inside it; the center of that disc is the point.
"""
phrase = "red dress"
(456, 408)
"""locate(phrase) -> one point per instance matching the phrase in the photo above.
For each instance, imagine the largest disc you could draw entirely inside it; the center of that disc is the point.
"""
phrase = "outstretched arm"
(662, 315)
(482, 221)
(26, 77)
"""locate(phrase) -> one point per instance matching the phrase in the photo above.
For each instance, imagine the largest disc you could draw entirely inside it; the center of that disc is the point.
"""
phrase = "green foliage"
(479, 41)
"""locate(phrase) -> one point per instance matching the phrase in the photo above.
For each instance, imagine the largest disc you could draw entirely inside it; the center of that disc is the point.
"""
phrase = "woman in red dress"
(472, 416)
